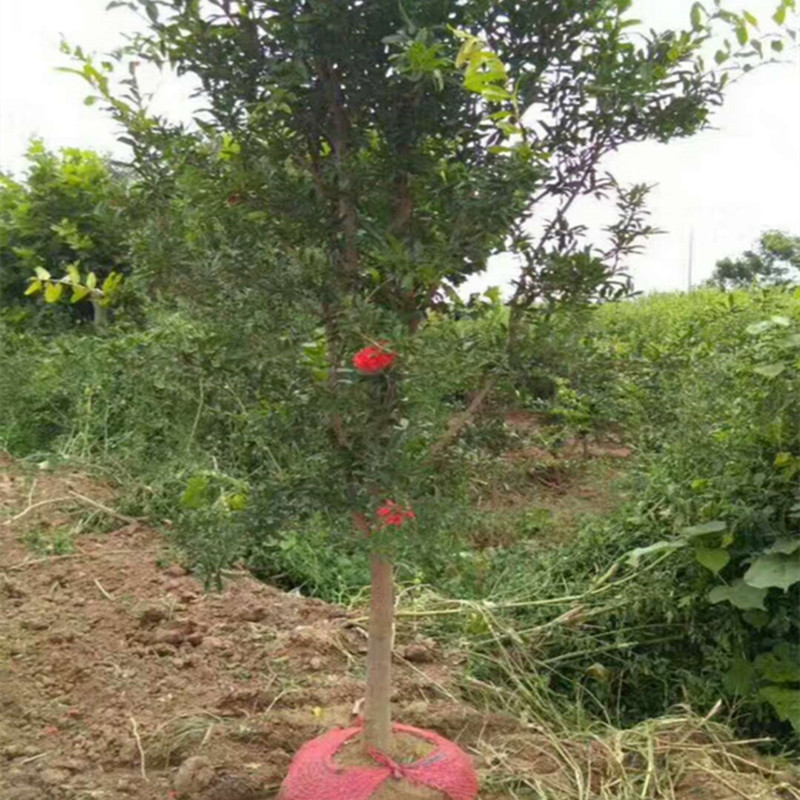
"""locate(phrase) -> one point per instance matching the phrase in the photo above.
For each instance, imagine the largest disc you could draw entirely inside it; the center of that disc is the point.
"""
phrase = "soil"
(120, 677)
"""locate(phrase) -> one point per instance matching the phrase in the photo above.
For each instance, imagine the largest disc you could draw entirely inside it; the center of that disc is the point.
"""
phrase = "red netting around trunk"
(314, 775)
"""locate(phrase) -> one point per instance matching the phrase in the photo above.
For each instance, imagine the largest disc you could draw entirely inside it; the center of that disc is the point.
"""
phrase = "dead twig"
(102, 590)
(107, 510)
(34, 758)
(34, 506)
(33, 561)
(140, 748)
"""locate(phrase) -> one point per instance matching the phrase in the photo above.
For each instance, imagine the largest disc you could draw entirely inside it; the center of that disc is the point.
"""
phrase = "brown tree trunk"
(377, 711)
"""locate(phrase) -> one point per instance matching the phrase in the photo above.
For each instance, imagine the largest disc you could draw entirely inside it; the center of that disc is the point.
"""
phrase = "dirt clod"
(194, 775)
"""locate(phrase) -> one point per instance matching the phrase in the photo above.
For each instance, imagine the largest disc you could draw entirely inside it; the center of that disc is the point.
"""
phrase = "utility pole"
(691, 261)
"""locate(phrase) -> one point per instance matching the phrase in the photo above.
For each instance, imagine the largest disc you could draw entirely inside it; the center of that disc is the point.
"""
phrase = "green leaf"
(52, 292)
(90, 100)
(781, 665)
(91, 280)
(785, 546)
(635, 555)
(740, 595)
(774, 570)
(495, 94)
(236, 502)
(711, 558)
(742, 34)
(786, 703)
(42, 274)
(776, 45)
(78, 293)
(739, 678)
(714, 526)
(697, 16)
(770, 370)
(780, 15)
(73, 273)
(756, 619)
(750, 18)
(36, 286)
(195, 494)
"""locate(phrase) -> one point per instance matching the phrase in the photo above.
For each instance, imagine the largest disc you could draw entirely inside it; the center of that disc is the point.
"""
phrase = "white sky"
(726, 185)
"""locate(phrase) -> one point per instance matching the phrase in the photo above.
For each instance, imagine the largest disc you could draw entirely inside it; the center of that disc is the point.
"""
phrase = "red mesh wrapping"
(314, 775)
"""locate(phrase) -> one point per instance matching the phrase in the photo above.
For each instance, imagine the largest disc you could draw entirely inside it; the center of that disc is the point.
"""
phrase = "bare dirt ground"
(121, 678)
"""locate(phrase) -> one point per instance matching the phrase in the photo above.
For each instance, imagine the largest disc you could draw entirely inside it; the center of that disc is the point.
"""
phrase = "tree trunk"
(377, 712)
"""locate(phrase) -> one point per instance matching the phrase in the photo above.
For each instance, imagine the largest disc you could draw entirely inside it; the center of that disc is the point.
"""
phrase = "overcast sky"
(725, 185)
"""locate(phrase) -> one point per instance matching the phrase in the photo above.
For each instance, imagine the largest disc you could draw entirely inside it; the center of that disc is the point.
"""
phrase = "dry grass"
(679, 757)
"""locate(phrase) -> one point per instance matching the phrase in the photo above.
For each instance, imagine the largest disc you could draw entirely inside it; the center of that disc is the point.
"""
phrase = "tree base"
(422, 766)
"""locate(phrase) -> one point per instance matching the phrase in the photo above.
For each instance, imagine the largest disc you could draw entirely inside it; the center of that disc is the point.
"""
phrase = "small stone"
(176, 571)
(315, 663)
(194, 775)
(195, 639)
(35, 624)
(164, 649)
(418, 653)
(253, 614)
(169, 636)
(71, 764)
(214, 643)
(151, 616)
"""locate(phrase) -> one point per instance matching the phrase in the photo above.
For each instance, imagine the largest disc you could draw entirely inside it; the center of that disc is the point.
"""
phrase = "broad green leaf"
(78, 293)
(714, 526)
(91, 280)
(781, 665)
(73, 273)
(739, 678)
(740, 595)
(36, 286)
(786, 703)
(776, 45)
(770, 370)
(195, 494)
(42, 274)
(495, 94)
(713, 558)
(780, 15)
(750, 18)
(636, 554)
(697, 16)
(785, 546)
(52, 292)
(778, 570)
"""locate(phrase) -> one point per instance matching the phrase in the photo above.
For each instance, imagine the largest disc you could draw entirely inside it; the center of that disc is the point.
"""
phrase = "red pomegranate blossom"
(374, 359)
(393, 514)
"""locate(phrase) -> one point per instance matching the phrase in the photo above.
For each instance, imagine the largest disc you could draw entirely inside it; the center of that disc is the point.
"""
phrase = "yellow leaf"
(36, 286)
(52, 292)
(91, 280)
(42, 274)
(78, 293)
(73, 273)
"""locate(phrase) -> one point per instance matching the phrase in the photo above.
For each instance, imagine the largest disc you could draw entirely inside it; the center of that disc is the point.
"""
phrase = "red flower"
(372, 360)
(392, 514)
